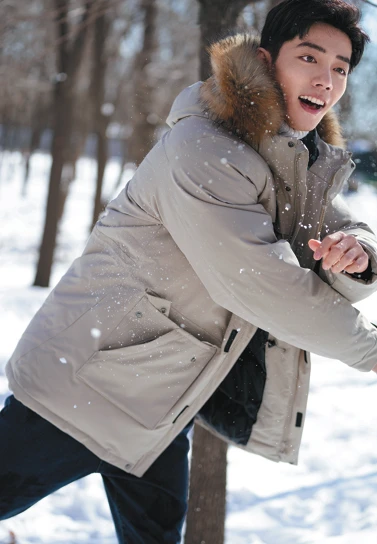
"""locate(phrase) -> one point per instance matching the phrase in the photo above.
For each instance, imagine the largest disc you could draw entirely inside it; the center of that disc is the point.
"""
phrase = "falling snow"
(329, 498)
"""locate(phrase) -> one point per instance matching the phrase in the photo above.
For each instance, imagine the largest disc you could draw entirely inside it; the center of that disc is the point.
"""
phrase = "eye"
(341, 71)
(308, 58)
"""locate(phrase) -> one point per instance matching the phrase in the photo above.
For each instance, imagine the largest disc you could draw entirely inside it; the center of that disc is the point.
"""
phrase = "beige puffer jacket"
(207, 243)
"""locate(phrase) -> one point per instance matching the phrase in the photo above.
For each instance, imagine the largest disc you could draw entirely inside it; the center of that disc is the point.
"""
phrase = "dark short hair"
(293, 18)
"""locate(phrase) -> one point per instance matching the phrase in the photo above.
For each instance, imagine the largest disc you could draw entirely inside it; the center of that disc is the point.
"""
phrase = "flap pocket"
(147, 380)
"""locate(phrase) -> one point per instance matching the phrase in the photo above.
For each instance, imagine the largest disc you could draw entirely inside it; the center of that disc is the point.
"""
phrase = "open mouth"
(313, 103)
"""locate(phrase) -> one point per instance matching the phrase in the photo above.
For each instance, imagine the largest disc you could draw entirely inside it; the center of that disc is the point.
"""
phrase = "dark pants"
(36, 459)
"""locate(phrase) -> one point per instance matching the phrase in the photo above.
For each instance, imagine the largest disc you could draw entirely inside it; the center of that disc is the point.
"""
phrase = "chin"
(303, 127)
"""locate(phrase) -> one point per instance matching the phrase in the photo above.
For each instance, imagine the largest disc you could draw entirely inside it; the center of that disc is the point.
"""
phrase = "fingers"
(327, 244)
(340, 252)
(314, 244)
(345, 252)
(360, 265)
(351, 260)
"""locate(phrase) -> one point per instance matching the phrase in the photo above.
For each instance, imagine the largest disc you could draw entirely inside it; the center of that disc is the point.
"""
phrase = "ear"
(265, 55)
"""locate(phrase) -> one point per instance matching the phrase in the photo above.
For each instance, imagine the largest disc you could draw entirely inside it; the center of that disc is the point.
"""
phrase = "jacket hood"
(243, 96)
(186, 104)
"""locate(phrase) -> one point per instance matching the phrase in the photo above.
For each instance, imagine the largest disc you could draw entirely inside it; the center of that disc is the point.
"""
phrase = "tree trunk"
(74, 152)
(216, 19)
(69, 60)
(101, 120)
(142, 137)
(62, 132)
(34, 143)
(207, 499)
(207, 496)
(40, 119)
(101, 165)
(123, 163)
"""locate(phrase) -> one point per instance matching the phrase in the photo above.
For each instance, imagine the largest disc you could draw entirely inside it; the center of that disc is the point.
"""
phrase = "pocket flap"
(147, 380)
(160, 304)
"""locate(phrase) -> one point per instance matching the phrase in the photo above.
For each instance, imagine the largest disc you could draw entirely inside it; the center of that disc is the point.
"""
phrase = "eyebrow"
(322, 50)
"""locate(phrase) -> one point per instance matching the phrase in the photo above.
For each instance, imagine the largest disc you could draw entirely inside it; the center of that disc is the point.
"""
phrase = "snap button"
(291, 144)
(138, 314)
(163, 310)
(193, 359)
(287, 188)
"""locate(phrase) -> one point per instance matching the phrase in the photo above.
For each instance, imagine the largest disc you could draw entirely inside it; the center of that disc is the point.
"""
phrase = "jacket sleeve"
(212, 207)
(339, 218)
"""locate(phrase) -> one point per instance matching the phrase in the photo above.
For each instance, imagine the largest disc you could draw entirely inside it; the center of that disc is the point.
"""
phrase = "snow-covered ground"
(329, 498)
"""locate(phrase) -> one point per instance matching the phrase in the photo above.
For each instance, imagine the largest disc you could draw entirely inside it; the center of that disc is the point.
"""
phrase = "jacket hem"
(25, 398)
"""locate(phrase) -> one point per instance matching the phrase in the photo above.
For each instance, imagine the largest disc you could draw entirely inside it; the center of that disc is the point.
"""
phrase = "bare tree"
(216, 18)
(101, 117)
(207, 496)
(69, 57)
(171, 68)
(25, 57)
(143, 129)
(207, 500)
(39, 120)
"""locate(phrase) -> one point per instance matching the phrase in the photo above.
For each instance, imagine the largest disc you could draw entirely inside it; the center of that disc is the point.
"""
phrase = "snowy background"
(329, 498)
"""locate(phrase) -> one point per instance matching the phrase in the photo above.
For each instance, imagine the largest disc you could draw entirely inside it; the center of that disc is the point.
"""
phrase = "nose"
(323, 80)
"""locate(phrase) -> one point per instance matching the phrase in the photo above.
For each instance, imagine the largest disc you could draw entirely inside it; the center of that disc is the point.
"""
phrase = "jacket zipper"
(324, 207)
(294, 231)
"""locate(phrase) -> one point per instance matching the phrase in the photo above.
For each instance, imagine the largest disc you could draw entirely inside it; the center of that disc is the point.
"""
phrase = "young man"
(226, 259)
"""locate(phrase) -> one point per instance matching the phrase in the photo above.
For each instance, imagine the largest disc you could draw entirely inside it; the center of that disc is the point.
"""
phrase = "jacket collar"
(243, 96)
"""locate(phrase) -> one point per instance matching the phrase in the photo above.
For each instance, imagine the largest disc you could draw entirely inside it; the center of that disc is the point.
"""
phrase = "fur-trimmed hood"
(243, 96)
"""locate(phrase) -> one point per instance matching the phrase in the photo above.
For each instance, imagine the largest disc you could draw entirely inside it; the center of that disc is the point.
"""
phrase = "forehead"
(333, 40)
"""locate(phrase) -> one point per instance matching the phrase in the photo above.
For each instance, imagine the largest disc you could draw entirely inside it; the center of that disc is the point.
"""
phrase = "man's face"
(312, 72)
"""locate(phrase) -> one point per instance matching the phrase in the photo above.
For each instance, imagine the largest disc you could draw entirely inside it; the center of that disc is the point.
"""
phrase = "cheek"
(287, 87)
(339, 92)
(290, 84)
(283, 77)
(342, 90)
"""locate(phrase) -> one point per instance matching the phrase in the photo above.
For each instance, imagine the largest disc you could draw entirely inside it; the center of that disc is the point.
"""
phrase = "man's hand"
(340, 252)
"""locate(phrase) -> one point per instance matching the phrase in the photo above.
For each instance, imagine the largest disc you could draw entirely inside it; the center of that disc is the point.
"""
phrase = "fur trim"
(243, 96)
(330, 130)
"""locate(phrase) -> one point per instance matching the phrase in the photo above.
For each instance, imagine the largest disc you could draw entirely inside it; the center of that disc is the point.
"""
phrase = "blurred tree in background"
(69, 55)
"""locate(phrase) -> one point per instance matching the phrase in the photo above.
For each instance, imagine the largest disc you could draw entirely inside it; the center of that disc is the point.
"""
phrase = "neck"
(286, 130)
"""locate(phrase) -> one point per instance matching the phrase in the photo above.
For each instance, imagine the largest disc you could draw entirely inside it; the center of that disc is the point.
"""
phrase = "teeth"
(314, 100)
